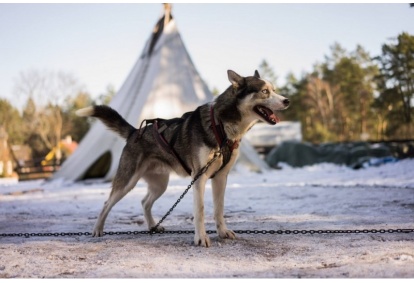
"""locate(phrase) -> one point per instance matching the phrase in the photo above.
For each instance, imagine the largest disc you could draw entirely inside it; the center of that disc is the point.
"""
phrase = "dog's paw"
(158, 229)
(202, 240)
(227, 234)
(97, 233)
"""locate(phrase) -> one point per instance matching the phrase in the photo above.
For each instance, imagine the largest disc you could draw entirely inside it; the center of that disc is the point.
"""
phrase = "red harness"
(220, 134)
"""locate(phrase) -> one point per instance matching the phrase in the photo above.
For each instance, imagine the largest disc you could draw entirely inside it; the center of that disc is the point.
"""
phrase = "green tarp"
(298, 154)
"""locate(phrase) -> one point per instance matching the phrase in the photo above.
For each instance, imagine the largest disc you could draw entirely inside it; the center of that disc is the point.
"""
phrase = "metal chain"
(272, 232)
(196, 177)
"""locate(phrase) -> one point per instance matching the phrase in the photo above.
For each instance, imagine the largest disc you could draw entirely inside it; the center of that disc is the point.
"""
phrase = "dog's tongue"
(266, 114)
(271, 115)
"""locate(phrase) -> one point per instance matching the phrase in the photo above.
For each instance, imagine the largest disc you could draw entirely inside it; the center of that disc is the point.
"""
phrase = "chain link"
(264, 232)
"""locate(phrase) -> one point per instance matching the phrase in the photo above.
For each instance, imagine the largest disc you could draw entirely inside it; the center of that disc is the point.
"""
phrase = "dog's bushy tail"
(109, 117)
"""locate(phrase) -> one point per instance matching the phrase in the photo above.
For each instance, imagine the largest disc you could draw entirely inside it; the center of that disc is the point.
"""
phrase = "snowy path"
(317, 197)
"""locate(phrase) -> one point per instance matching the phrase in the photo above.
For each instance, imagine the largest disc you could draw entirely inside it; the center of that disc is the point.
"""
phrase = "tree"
(106, 97)
(396, 81)
(266, 72)
(337, 53)
(74, 125)
(45, 92)
(11, 121)
(29, 128)
(324, 102)
(293, 90)
(352, 73)
(333, 102)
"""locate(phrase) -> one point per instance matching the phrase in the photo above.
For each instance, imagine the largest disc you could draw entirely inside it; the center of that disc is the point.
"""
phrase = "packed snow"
(323, 196)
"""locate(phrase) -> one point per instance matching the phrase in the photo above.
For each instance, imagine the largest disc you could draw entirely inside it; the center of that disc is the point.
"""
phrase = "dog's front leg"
(200, 237)
(219, 186)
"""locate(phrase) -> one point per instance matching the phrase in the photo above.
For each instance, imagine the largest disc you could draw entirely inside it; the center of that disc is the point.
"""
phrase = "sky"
(99, 43)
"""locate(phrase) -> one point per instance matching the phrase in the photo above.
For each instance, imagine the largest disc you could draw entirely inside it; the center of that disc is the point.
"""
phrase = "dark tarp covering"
(298, 154)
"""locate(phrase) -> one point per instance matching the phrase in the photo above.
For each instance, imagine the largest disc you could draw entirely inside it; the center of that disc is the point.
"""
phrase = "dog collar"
(220, 134)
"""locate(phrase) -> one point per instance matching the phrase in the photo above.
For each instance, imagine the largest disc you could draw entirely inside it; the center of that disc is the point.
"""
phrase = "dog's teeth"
(263, 112)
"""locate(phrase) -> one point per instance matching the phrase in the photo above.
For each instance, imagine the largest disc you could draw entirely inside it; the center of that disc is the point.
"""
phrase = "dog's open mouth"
(266, 114)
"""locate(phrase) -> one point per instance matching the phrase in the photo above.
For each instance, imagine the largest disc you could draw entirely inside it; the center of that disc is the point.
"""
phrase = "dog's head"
(257, 97)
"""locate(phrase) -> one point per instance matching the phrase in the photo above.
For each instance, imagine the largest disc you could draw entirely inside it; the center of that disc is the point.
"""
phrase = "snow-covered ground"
(323, 196)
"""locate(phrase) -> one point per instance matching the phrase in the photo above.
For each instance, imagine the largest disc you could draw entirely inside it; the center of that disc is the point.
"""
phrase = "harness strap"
(220, 134)
(141, 130)
(222, 140)
(217, 129)
(157, 132)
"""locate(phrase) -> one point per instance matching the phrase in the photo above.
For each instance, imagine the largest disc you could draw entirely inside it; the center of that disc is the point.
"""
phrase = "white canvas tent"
(163, 83)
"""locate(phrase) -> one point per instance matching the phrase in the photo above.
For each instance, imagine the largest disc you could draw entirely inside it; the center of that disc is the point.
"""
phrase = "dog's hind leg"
(219, 187)
(125, 180)
(157, 184)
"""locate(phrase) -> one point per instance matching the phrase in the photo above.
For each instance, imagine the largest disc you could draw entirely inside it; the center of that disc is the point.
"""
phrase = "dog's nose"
(286, 102)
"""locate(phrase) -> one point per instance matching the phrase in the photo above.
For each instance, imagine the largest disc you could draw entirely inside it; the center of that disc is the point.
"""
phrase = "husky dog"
(185, 145)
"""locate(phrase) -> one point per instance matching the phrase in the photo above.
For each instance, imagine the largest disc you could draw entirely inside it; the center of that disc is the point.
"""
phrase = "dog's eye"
(265, 91)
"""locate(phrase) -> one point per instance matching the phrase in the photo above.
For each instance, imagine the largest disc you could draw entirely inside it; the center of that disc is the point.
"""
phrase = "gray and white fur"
(244, 103)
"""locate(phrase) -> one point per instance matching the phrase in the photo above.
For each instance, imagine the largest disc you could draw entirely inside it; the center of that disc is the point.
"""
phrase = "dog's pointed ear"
(235, 79)
(256, 74)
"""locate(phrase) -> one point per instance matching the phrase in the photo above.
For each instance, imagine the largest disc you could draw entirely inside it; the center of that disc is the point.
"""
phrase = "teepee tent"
(163, 83)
